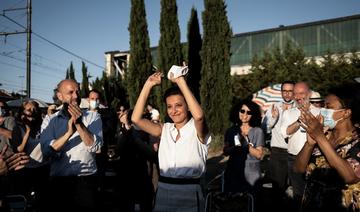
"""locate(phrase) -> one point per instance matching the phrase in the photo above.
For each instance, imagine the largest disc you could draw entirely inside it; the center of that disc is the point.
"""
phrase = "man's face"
(287, 92)
(302, 94)
(69, 92)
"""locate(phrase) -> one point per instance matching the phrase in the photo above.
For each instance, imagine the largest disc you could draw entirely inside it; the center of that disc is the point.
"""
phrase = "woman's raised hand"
(155, 79)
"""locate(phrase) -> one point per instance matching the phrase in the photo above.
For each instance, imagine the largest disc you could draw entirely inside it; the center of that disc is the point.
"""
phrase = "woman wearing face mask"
(331, 157)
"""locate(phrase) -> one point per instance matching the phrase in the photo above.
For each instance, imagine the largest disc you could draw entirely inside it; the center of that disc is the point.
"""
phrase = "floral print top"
(320, 172)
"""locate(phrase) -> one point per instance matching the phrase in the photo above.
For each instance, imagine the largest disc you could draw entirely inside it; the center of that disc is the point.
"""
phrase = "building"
(338, 35)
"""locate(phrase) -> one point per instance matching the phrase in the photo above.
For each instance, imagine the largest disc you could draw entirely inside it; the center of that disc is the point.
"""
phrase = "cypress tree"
(72, 72)
(140, 66)
(216, 89)
(169, 49)
(85, 81)
(194, 59)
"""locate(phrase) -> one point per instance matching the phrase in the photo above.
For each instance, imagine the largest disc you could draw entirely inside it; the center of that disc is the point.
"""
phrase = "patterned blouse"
(325, 188)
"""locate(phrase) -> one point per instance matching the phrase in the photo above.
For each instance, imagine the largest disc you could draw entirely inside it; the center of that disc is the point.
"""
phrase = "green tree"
(169, 49)
(194, 59)
(216, 90)
(140, 66)
(71, 71)
(84, 92)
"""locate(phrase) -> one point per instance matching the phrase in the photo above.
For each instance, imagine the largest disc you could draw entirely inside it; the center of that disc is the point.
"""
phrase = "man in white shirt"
(278, 172)
(291, 129)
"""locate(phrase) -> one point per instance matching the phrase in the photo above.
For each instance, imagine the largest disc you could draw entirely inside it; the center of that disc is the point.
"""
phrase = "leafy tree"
(278, 65)
(140, 66)
(84, 92)
(194, 59)
(169, 49)
(216, 90)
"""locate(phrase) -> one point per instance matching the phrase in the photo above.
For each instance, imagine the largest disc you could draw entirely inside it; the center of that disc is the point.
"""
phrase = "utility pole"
(28, 50)
(28, 41)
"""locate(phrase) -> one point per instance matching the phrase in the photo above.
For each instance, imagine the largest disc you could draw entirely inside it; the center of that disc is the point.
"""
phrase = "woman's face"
(245, 114)
(29, 111)
(177, 109)
(333, 102)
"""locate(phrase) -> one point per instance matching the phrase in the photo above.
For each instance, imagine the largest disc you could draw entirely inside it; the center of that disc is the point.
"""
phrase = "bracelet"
(251, 144)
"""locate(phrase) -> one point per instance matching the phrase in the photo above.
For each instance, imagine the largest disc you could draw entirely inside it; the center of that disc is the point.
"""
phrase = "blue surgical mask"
(328, 117)
(93, 104)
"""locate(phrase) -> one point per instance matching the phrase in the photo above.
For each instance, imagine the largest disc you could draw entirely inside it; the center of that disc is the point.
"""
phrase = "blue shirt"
(74, 158)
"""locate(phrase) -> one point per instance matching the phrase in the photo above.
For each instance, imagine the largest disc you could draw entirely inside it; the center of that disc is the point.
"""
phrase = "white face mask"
(328, 117)
(93, 104)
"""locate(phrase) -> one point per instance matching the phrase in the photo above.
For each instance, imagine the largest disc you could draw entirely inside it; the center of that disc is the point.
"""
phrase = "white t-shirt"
(298, 139)
(277, 139)
(185, 158)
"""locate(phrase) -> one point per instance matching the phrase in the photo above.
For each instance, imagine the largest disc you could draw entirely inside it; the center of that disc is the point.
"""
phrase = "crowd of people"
(59, 160)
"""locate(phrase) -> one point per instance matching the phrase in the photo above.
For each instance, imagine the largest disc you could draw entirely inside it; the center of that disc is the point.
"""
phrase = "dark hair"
(96, 91)
(255, 120)
(175, 90)
(349, 96)
(6, 108)
(287, 82)
(36, 124)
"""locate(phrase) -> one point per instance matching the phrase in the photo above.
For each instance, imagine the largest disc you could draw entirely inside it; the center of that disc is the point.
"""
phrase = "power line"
(54, 44)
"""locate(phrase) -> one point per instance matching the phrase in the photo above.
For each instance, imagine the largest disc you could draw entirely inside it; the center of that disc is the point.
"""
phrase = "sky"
(89, 28)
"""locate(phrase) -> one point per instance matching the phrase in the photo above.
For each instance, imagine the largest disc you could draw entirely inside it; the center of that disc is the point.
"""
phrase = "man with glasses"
(278, 173)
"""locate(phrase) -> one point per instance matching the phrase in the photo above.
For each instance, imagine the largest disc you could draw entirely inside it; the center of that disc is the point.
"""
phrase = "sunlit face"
(287, 92)
(333, 102)
(177, 109)
(69, 92)
(94, 96)
(29, 110)
(245, 114)
(301, 94)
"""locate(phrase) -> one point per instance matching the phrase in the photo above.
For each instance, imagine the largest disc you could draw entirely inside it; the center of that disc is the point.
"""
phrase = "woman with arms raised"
(183, 145)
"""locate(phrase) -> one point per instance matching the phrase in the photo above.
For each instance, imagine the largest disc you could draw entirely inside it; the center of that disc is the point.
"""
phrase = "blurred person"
(71, 141)
(278, 171)
(31, 181)
(330, 156)
(136, 157)
(296, 135)
(10, 163)
(316, 99)
(7, 124)
(183, 145)
(154, 113)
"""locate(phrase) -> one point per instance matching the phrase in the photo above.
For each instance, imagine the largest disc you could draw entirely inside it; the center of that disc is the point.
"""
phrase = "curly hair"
(255, 120)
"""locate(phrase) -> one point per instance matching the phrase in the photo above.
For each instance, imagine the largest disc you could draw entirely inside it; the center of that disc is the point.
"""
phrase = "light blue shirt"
(75, 158)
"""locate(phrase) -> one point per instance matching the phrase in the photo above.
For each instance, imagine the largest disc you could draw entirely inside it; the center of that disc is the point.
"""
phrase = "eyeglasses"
(287, 91)
(248, 112)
